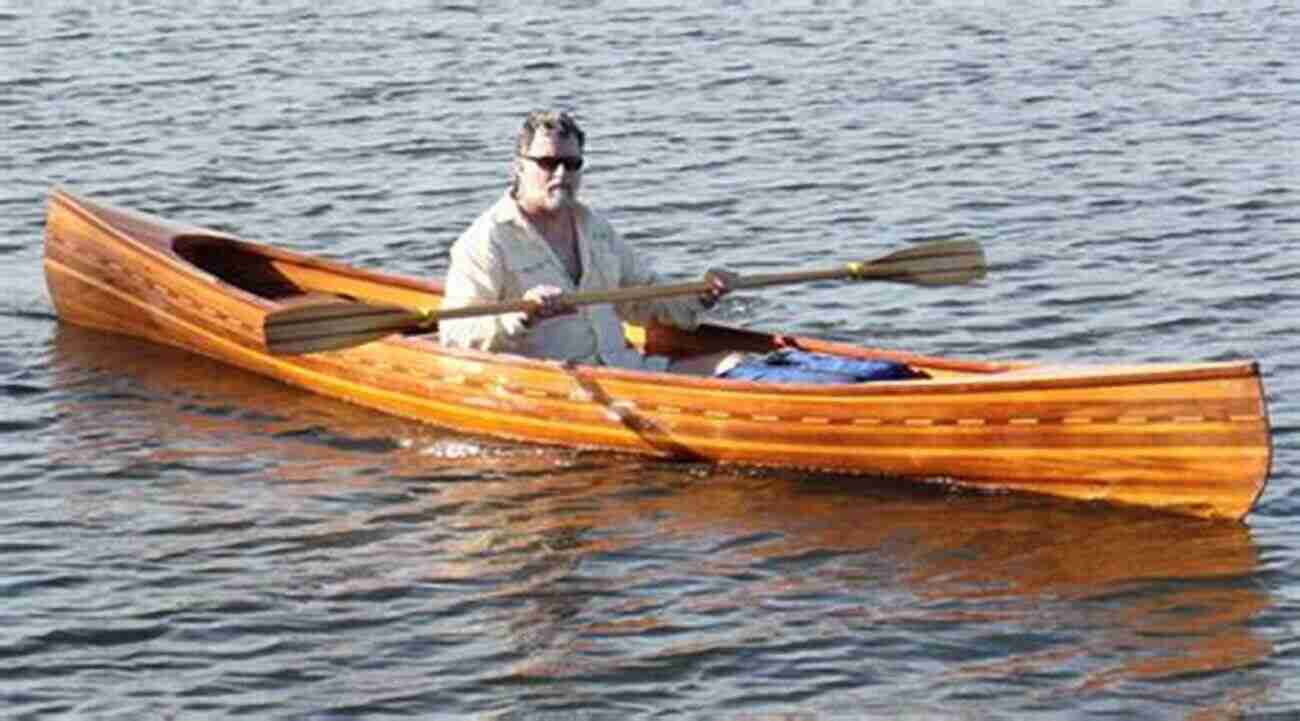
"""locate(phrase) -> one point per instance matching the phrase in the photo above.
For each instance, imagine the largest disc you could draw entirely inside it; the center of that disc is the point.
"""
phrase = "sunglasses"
(550, 162)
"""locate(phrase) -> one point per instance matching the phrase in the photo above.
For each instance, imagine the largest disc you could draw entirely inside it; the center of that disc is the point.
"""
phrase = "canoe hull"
(1191, 438)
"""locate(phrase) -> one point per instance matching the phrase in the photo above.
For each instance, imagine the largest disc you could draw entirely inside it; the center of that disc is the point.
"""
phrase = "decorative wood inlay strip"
(628, 407)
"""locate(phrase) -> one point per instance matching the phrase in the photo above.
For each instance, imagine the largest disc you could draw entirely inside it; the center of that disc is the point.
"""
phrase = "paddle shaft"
(938, 263)
(645, 292)
(341, 324)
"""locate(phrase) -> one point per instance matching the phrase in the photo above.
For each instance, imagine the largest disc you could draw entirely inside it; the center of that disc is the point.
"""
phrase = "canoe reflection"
(582, 553)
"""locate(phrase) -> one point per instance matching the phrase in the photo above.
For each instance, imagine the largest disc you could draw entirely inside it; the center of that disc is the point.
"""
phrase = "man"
(539, 241)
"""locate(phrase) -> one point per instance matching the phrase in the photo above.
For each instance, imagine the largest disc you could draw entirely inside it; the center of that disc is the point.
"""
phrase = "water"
(184, 540)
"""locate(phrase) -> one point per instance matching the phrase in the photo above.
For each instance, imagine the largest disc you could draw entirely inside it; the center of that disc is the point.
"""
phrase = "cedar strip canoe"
(1190, 438)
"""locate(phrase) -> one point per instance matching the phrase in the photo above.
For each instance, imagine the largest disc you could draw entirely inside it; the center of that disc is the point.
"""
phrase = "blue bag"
(797, 366)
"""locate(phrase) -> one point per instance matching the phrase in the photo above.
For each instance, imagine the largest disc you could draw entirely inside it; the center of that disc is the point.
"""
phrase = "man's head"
(547, 166)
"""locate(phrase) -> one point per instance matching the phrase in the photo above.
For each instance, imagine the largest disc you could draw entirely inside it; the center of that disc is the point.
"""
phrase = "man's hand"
(545, 302)
(721, 281)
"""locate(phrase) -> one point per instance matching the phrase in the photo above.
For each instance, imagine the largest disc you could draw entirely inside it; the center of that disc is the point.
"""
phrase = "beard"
(561, 197)
(549, 198)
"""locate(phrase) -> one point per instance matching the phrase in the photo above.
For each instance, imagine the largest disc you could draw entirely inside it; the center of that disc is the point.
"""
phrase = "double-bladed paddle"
(345, 323)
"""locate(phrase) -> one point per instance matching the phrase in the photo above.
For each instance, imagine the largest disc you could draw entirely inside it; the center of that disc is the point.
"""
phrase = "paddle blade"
(948, 262)
(335, 325)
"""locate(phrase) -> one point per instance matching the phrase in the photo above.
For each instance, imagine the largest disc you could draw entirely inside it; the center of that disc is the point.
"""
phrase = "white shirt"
(502, 255)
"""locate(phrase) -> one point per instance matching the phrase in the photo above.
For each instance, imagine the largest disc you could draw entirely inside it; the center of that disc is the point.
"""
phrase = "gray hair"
(561, 123)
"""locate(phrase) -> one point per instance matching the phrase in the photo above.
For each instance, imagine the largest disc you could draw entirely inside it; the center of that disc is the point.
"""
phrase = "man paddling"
(537, 242)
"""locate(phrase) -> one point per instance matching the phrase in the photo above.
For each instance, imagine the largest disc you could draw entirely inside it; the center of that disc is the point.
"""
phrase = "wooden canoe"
(1191, 438)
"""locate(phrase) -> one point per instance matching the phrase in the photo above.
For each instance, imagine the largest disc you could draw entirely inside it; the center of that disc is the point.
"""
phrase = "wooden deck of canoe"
(1185, 437)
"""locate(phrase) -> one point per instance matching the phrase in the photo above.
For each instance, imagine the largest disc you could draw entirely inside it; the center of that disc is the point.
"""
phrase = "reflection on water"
(569, 566)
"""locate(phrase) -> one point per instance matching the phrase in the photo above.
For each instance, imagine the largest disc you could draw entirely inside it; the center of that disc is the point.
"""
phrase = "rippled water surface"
(184, 540)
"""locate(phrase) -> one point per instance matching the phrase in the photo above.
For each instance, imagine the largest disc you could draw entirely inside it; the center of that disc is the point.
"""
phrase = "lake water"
(184, 540)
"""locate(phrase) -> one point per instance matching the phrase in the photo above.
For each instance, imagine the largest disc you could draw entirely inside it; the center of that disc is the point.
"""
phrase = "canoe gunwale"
(1030, 378)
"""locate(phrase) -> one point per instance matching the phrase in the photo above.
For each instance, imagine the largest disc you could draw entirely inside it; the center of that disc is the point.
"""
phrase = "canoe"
(1190, 438)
